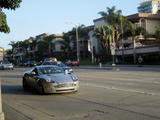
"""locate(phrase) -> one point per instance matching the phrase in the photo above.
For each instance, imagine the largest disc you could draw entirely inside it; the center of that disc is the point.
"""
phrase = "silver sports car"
(50, 79)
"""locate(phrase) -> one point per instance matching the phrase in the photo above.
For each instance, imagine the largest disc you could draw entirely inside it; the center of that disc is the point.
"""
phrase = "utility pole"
(1, 113)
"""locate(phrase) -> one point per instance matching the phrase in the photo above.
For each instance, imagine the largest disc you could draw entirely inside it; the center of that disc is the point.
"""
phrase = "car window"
(61, 64)
(35, 70)
(50, 70)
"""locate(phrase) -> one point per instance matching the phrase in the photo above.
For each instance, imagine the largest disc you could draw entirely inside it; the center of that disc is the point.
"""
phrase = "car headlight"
(49, 80)
(74, 78)
(70, 70)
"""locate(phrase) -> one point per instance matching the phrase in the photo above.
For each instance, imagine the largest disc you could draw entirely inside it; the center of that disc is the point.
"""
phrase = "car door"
(33, 77)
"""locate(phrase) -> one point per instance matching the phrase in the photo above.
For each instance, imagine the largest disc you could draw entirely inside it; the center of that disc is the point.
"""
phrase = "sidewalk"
(122, 67)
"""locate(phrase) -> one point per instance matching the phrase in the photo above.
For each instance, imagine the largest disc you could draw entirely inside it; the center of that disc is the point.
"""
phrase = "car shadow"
(16, 90)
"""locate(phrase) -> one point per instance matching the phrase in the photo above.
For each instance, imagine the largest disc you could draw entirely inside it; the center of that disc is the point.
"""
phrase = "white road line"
(148, 80)
(120, 89)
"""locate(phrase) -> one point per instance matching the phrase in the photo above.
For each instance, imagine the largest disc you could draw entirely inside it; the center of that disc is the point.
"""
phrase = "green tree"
(131, 31)
(157, 34)
(48, 42)
(66, 44)
(10, 5)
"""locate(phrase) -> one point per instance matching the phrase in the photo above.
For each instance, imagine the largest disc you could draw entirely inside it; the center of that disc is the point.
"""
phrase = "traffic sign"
(112, 46)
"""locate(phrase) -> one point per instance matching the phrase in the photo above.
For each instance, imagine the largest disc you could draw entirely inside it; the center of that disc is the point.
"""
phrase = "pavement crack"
(38, 110)
(115, 107)
(19, 112)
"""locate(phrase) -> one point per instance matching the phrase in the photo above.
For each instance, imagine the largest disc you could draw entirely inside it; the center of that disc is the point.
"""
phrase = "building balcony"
(18, 54)
(139, 50)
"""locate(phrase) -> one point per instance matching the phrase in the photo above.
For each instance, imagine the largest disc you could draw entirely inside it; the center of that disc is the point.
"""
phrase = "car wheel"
(25, 85)
(40, 89)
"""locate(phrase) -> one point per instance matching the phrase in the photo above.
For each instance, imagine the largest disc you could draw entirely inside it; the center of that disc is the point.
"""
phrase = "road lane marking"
(120, 89)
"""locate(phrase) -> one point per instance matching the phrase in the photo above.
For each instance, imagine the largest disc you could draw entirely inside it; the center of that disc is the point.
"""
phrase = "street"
(103, 95)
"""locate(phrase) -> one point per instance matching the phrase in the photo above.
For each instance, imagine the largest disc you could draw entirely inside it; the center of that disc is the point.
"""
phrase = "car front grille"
(65, 85)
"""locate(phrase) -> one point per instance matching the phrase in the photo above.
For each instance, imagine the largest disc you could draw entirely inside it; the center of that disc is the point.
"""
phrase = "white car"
(6, 65)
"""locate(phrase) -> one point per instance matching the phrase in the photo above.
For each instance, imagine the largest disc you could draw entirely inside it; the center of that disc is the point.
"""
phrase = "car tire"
(40, 89)
(25, 85)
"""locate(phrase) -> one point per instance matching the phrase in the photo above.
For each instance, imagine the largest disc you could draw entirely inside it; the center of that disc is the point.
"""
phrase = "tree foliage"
(157, 33)
(10, 4)
(7, 4)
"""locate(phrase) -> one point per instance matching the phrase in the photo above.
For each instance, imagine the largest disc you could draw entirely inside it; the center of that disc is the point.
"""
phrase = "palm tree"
(103, 35)
(82, 36)
(113, 18)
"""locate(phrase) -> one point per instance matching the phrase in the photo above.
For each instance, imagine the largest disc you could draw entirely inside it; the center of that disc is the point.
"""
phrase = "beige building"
(147, 20)
(143, 48)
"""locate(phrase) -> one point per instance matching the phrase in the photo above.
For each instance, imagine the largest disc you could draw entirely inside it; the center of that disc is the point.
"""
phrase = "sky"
(35, 17)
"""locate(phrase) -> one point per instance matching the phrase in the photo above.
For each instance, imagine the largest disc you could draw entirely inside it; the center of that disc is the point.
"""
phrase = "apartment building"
(57, 46)
(149, 6)
(146, 48)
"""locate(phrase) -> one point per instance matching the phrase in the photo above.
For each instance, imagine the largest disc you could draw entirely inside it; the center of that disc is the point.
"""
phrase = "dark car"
(65, 67)
(50, 59)
(75, 63)
(30, 63)
(50, 79)
(68, 62)
(58, 63)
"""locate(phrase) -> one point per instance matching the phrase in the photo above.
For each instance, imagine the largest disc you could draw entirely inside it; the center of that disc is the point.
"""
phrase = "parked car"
(50, 79)
(6, 65)
(68, 63)
(75, 63)
(30, 63)
(58, 63)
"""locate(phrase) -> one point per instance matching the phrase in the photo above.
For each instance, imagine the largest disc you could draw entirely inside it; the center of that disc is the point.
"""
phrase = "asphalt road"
(103, 95)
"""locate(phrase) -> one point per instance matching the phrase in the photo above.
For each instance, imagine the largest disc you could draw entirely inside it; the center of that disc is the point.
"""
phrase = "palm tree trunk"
(113, 35)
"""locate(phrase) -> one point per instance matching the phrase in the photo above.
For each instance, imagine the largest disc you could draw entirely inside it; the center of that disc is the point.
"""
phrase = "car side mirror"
(33, 73)
(67, 72)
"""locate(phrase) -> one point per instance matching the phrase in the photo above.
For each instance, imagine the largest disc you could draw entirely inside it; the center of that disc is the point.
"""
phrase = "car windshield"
(6, 62)
(61, 64)
(50, 63)
(50, 70)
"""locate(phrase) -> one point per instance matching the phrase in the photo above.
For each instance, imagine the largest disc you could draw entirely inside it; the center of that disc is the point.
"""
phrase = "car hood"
(66, 68)
(58, 78)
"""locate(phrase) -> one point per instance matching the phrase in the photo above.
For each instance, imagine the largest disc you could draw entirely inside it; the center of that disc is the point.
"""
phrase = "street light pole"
(77, 40)
(77, 43)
